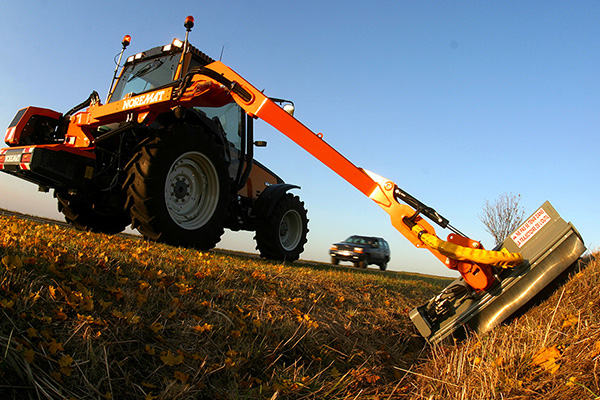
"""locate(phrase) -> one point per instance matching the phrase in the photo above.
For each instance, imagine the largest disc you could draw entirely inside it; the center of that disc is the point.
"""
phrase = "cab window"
(230, 117)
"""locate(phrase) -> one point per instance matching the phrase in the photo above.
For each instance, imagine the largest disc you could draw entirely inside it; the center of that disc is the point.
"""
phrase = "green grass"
(90, 316)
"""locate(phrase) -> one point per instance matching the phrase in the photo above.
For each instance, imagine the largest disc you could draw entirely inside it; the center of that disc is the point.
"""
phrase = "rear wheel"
(282, 235)
(101, 213)
(179, 188)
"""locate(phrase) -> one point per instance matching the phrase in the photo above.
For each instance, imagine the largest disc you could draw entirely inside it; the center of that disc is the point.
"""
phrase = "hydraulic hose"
(503, 258)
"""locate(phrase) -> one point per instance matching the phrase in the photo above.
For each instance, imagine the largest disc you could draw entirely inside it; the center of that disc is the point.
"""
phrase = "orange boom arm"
(460, 253)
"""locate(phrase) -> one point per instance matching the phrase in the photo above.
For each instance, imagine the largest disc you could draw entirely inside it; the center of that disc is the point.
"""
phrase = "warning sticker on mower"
(530, 227)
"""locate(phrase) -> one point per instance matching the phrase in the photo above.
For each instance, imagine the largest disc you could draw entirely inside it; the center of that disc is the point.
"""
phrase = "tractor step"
(549, 246)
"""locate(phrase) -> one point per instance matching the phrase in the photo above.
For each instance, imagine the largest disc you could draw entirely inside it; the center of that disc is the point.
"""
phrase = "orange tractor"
(171, 153)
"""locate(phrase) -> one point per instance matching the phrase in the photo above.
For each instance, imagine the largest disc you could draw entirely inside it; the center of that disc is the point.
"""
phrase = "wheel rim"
(290, 230)
(192, 190)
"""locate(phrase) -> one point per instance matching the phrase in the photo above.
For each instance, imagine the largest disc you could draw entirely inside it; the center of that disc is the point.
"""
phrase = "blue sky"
(455, 101)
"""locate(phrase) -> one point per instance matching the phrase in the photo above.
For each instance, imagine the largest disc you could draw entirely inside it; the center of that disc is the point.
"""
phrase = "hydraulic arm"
(406, 212)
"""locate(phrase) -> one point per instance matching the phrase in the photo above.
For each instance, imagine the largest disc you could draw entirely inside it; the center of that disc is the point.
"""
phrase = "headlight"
(358, 250)
(333, 247)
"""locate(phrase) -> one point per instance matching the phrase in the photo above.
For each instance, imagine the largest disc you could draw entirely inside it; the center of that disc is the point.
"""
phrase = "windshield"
(359, 240)
(144, 76)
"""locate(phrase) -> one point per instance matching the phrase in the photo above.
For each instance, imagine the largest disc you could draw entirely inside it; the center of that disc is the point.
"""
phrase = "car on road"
(362, 251)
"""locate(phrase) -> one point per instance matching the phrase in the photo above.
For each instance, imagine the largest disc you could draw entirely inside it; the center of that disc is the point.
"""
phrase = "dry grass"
(88, 316)
(551, 352)
(85, 316)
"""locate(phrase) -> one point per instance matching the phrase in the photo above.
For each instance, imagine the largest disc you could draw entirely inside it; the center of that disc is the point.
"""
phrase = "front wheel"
(282, 235)
(179, 188)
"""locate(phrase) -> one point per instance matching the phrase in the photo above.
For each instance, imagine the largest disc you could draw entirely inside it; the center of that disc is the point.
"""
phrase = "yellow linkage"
(502, 258)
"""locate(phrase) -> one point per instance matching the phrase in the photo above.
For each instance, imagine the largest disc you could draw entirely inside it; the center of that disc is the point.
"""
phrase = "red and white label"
(530, 227)
(10, 134)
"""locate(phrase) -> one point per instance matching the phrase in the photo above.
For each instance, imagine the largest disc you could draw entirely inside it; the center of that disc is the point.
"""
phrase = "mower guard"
(549, 246)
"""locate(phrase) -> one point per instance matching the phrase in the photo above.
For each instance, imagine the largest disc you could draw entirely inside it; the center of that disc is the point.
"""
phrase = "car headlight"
(333, 247)
(359, 250)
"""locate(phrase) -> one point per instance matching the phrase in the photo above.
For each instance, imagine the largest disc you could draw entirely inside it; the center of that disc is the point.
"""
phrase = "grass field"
(96, 316)
(88, 316)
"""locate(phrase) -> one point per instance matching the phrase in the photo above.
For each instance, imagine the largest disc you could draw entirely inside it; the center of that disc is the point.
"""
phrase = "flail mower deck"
(549, 246)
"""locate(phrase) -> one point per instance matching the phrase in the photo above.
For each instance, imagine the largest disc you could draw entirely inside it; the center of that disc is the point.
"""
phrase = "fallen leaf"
(571, 320)
(29, 355)
(171, 360)
(65, 361)
(32, 333)
(54, 347)
(202, 328)
(156, 327)
(5, 303)
(547, 358)
(182, 377)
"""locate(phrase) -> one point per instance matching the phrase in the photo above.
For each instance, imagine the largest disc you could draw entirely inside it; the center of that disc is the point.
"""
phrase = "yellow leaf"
(202, 328)
(149, 349)
(156, 327)
(54, 347)
(32, 332)
(143, 285)
(5, 303)
(65, 361)
(6, 261)
(87, 304)
(141, 299)
(596, 351)
(52, 291)
(547, 358)
(56, 375)
(105, 304)
(29, 355)
(12, 262)
(571, 320)
(180, 376)
(171, 360)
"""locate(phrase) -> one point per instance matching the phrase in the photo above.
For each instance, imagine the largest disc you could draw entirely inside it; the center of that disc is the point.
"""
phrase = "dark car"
(362, 251)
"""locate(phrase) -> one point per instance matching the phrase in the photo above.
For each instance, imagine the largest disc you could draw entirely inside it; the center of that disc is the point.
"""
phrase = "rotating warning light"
(189, 22)
(126, 41)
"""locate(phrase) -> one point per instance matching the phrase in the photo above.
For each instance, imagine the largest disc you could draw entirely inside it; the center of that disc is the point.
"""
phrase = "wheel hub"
(290, 230)
(180, 189)
(192, 190)
(283, 228)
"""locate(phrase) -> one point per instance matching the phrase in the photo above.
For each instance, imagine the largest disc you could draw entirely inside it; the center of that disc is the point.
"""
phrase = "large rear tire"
(282, 235)
(179, 188)
(93, 215)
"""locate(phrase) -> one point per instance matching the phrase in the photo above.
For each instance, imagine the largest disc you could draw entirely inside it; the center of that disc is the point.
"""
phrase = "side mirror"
(260, 143)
